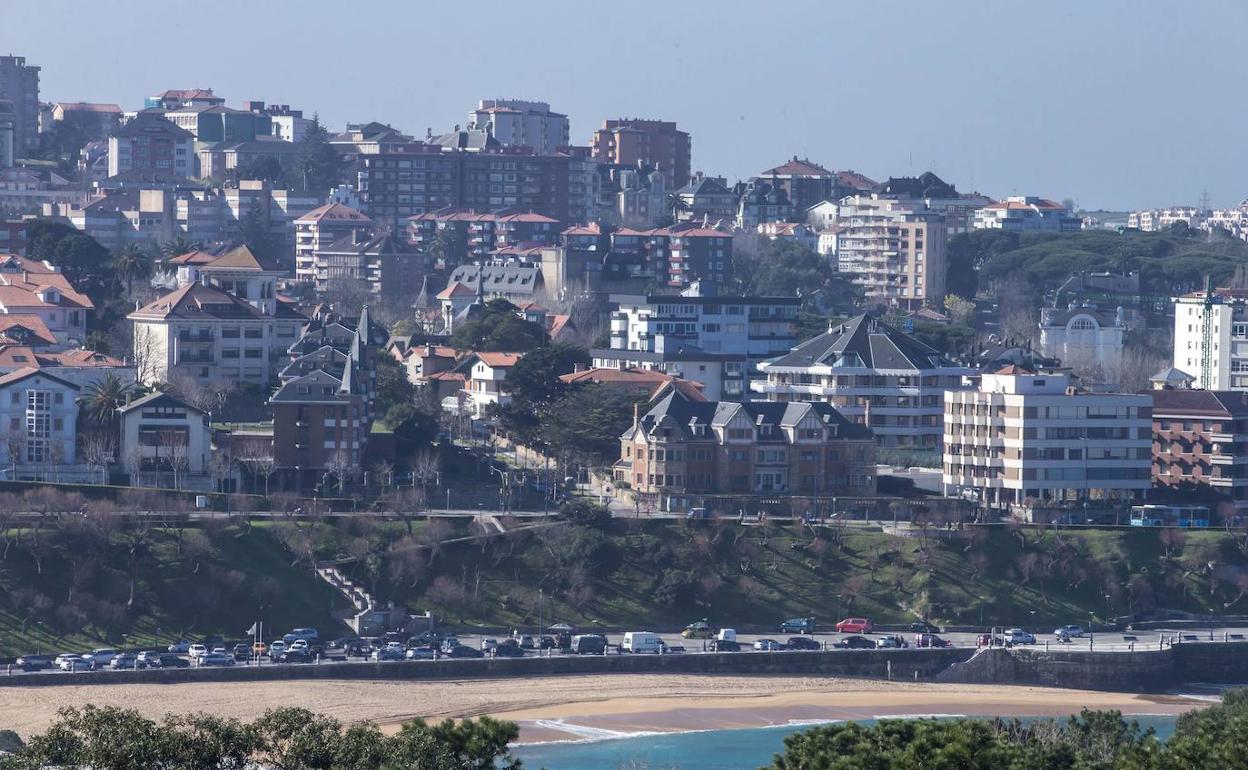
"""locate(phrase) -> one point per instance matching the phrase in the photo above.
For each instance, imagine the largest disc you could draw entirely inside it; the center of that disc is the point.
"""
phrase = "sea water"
(742, 749)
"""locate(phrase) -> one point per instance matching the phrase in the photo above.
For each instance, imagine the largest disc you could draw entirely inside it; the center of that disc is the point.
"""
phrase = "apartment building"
(386, 266)
(1024, 436)
(684, 448)
(1027, 213)
(417, 178)
(655, 143)
(318, 229)
(150, 142)
(706, 199)
(928, 192)
(524, 123)
(895, 251)
(1199, 440)
(875, 375)
(1222, 314)
(1158, 220)
(38, 423)
(19, 85)
(175, 98)
(760, 202)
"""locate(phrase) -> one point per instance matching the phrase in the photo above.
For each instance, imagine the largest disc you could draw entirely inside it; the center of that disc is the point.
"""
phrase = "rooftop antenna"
(1204, 201)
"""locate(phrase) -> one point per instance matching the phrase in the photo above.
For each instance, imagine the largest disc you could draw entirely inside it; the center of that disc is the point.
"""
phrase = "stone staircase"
(361, 600)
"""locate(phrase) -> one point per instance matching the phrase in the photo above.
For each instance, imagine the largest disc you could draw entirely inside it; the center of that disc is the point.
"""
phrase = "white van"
(642, 641)
(727, 635)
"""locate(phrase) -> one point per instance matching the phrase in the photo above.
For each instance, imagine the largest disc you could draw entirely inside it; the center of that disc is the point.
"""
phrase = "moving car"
(1074, 632)
(891, 642)
(122, 661)
(464, 651)
(182, 646)
(164, 660)
(70, 662)
(725, 645)
(216, 659)
(588, 644)
(100, 656)
(923, 627)
(930, 640)
(389, 653)
(854, 626)
(804, 643)
(1019, 636)
(197, 651)
(524, 641)
(420, 653)
(768, 645)
(855, 643)
(506, 650)
(698, 630)
(798, 626)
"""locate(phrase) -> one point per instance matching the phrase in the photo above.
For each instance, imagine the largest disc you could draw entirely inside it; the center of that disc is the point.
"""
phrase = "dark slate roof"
(159, 398)
(925, 185)
(863, 342)
(678, 412)
(316, 387)
(149, 122)
(385, 243)
(1208, 403)
(500, 279)
(704, 186)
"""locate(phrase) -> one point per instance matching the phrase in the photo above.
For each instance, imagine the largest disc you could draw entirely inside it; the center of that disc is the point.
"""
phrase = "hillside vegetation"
(69, 584)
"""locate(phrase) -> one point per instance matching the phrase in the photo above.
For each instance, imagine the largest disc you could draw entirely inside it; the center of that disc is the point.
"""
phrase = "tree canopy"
(111, 738)
(498, 328)
(784, 268)
(83, 261)
(317, 164)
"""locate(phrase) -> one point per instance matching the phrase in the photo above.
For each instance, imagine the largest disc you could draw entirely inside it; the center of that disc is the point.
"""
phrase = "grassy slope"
(246, 576)
(747, 576)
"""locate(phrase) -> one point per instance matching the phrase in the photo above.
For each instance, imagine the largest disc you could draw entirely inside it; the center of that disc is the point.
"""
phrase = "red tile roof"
(499, 359)
(456, 289)
(1039, 203)
(334, 212)
(797, 167)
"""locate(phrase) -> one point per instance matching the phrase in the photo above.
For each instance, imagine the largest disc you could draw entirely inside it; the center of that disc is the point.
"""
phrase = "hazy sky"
(1115, 103)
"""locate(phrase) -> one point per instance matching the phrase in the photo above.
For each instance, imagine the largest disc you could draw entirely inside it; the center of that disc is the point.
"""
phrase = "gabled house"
(484, 375)
(166, 441)
(38, 424)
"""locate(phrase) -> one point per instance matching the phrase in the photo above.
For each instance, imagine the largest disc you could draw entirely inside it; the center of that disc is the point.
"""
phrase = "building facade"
(39, 423)
(163, 436)
(1027, 214)
(893, 250)
(321, 227)
(518, 122)
(1084, 339)
(875, 375)
(656, 143)
(1199, 440)
(150, 142)
(684, 448)
(1211, 338)
(1023, 436)
(19, 85)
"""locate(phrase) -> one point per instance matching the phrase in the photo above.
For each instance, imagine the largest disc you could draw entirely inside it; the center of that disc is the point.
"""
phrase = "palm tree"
(133, 262)
(678, 204)
(175, 247)
(101, 399)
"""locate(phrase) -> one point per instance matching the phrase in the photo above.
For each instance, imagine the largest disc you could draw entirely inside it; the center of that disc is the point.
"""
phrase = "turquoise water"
(708, 750)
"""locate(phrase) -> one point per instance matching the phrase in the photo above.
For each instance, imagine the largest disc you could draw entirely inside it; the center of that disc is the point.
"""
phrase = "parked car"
(425, 639)
(798, 626)
(241, 652)
(923, 627)
(389, 653)
(854, 626)
(804, 643)
(725, 645)
(259, 649)
(488, 644)
(277, 648)
(122, 661)
(698, 630)
(420, 653)
(216, 659)
(306, 634)
(300, 644)
(70, 662)
(295, 656)
(505, 650)
(891, 642)
(672, 649)
(1074, 632)
(930, 640)
(33, 662)
(100, 656)
(464, 651)
(1019, 636)
(197, 651)
(357, 648)
(547, 643)
(524, 641)
(588, 644)
(641, 641)
(182, 646)
(768, 645)
(166, 660)
(855, 643)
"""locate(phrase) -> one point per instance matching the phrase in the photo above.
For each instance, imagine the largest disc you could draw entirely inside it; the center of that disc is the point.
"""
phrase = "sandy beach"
(562, 708)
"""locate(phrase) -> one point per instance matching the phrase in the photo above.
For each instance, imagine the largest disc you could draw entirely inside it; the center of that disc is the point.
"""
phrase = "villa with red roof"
(1027, 213)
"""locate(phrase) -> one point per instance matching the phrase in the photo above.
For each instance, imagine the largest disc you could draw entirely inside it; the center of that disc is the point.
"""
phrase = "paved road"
(1101, 641)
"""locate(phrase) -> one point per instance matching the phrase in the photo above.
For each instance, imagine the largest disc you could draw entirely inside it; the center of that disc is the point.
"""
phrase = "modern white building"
(518, 122)
(1023, 436)
(873, 374)
(38, 424)
(1156, 220)
(893, 249)
(1085, 339)
(1027, 213)
(1225, 313)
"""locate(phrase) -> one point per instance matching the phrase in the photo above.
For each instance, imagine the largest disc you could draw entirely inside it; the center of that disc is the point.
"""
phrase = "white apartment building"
(1226, 315)
(1156, 220)
(1084, 339)
(38, 424)
(320, 227)
(1027, 213)
(518, 122)
(873, 374)
(894, 250)
(1025, 436)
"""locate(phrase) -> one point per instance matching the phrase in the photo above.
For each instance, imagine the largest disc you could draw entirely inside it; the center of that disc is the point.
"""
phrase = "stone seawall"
(1139, 671)
(876, 664)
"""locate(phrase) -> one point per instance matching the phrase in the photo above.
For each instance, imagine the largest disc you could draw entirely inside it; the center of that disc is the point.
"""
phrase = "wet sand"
(569, 707)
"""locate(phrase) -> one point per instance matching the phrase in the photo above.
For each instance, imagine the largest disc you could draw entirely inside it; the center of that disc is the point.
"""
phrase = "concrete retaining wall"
(900, 664)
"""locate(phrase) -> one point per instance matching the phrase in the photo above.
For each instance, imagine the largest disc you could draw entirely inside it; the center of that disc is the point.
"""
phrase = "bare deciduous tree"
(98, 450)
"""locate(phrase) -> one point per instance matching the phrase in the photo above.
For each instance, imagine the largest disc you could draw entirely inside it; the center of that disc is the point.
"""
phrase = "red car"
(854, 626)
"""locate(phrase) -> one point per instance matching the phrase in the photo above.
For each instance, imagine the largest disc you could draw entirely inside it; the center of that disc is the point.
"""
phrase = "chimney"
(636, 414)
